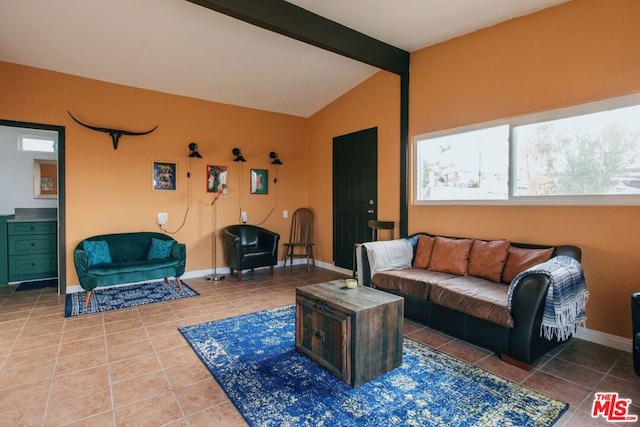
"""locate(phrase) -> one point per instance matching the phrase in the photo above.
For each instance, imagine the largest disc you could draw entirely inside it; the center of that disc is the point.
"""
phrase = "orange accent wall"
(373, 103)
(578, 52)
(110, 190)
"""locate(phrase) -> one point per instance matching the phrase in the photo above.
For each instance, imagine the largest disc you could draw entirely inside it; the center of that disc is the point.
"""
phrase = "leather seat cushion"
(415, 282)
(474, 296)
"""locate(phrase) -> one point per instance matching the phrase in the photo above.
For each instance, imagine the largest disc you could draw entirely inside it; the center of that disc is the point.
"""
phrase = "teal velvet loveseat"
(112, 259)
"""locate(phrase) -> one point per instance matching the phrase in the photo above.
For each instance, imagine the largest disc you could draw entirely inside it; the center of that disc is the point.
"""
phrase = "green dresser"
(32, 250)
(4, 258)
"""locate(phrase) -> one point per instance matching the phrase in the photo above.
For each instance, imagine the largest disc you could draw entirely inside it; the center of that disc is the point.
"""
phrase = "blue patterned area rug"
(39, 284)
(254, 360)
(126, 296)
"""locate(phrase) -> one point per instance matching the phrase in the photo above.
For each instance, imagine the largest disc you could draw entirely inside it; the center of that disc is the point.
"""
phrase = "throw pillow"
(97, 252)
(160, 249)
(519, 259)
(424, 248)
(487, 259)
(451, 255)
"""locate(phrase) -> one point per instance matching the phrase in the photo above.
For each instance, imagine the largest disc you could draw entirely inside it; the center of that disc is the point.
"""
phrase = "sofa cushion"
(424, 248)
(519, 259)
(97, 252)
(451, 255)
(487, 259)
(415, 282)
(474, 296)
(160, 249)
(132, 267)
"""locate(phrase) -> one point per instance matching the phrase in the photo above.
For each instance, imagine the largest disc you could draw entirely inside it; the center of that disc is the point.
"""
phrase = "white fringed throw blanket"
(566, 298)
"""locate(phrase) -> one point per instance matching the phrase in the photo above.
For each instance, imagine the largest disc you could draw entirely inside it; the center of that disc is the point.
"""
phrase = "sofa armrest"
(179, 252)
(81, 261)
(570, 251)
(527, 307)
(387, 255)
(269, 239)
(364, 269)
(232, 248)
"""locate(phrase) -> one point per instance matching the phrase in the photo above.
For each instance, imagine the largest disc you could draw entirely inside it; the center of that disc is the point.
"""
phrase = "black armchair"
(248, 246)
(635, 323)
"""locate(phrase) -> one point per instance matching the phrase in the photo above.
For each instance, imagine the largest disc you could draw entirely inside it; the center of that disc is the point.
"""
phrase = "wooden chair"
(301, 236)
(375, 225)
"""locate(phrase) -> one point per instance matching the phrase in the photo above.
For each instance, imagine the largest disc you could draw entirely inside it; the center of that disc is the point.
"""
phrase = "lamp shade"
(236, 152)
(276, 160)
(193, 148)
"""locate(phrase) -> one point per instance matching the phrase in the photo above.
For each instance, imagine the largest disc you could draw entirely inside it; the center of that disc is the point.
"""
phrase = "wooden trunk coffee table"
(354, 333)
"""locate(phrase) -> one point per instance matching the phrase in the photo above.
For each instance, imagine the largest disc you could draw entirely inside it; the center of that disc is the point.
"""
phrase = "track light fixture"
(276, 160)
(236, 152)
(193, 148)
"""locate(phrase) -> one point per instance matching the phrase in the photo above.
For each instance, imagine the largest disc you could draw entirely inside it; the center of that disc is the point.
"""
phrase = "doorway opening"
(42, 181)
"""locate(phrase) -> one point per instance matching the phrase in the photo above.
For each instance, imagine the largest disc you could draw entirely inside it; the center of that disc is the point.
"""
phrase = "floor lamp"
(215, 276)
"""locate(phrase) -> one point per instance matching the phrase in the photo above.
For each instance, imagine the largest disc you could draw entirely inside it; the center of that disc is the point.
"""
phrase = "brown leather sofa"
(474, 307)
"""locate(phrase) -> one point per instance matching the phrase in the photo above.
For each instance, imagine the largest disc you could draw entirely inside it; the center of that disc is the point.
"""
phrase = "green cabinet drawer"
(28, 267)
(32, 244)
(37, 227)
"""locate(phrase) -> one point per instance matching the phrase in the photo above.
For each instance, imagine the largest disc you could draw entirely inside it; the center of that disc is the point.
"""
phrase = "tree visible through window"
(593, 154)
(578, 158)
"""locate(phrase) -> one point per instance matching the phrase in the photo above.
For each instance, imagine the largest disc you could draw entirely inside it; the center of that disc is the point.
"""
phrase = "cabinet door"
(323, 334)
(32, 244)
(28, 267)
(32, 227)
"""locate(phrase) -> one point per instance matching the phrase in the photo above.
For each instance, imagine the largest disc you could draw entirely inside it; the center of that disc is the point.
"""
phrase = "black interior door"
(355, 189)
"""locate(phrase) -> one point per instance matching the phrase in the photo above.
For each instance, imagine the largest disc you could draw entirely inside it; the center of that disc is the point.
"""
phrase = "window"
(586, 155)
(41, 144)
(582, 155)
(472, 165)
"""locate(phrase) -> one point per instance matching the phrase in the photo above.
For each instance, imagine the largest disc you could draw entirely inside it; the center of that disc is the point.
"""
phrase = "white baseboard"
(603, 338)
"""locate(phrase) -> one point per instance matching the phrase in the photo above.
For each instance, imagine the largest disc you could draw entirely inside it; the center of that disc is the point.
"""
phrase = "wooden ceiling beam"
(300, 24)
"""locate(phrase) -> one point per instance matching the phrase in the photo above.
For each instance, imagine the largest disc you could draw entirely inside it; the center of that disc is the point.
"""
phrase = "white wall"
(16, 171)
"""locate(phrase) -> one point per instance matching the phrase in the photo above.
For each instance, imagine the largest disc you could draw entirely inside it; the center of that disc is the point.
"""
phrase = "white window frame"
(512, 200)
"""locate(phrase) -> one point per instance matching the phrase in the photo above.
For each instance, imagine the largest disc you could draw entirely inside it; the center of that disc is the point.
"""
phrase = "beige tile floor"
(132, 366)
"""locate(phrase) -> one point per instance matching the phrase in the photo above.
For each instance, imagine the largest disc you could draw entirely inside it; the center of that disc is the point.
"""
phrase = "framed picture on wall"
(45, 179)
(216, 178)
(164, 175)
(259, 181)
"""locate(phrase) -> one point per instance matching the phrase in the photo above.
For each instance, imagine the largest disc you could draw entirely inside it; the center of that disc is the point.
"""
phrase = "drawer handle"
(32, 228)
(33, 244)
(33, 264)
(318, 334)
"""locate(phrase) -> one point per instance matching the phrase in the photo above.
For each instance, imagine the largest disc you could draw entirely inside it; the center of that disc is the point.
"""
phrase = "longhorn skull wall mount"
(114, 133)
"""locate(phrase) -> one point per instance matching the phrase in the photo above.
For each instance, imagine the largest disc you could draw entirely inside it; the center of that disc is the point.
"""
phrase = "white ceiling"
(177, 47)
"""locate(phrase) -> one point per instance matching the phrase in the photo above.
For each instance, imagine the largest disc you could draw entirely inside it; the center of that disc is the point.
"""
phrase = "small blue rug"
(253, 359)
(126, 296)
(39, 284)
